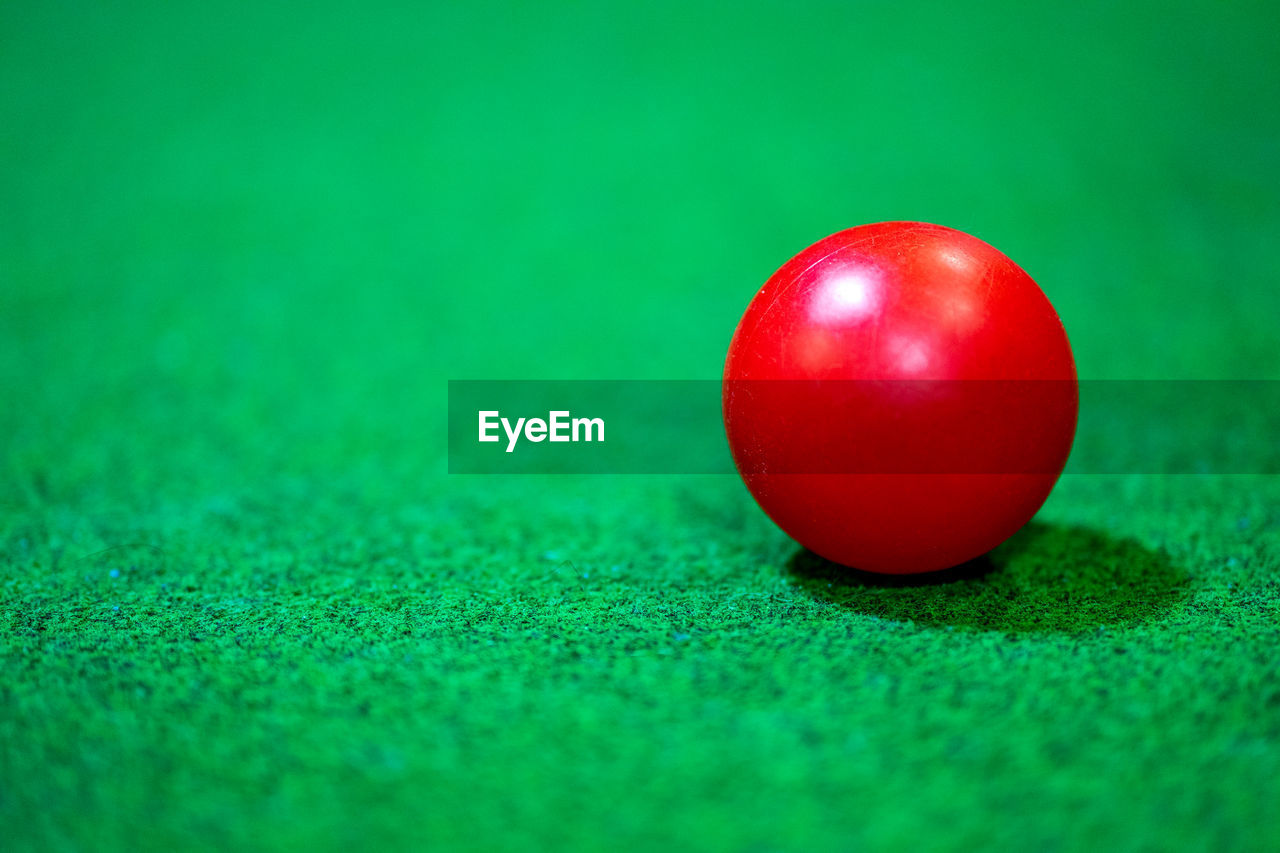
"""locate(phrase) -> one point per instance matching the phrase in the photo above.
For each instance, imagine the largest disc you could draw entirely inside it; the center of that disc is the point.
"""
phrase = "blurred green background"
(243, 247)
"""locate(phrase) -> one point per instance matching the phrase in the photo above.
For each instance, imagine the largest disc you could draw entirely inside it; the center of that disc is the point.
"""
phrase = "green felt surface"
(242, 248)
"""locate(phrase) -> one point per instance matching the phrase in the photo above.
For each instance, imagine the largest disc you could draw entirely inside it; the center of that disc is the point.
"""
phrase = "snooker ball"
(900, 397)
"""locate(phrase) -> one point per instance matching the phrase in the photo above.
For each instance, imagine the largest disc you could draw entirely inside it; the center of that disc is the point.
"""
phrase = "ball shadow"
(1045, 578)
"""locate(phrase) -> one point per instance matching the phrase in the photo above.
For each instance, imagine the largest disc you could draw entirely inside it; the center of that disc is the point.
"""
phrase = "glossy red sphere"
(900, 397)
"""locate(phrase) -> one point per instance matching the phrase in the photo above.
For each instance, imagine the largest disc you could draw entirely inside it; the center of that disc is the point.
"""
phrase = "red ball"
(900, 397)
